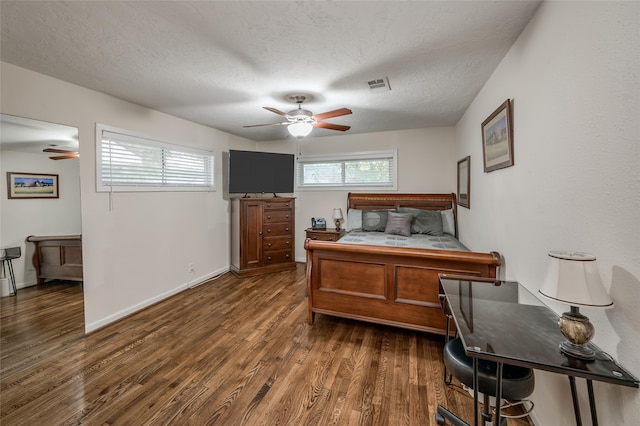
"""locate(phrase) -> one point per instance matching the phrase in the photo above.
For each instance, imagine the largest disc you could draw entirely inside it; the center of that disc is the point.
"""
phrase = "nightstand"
(329, 234)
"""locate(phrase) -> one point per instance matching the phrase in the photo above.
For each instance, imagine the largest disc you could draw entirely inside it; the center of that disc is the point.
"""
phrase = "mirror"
(32, 147)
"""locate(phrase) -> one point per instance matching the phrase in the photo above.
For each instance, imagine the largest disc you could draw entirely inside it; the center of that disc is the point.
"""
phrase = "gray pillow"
(424, 221)
(354, 220)
(374, 220)
(399, 224)
(448, 224)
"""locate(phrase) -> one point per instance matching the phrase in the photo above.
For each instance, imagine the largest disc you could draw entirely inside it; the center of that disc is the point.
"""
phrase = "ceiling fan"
(66, 153)
(300, 121)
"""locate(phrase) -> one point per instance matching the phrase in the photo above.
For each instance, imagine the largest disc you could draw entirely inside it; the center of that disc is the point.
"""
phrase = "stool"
(517, 382)
(6, 256)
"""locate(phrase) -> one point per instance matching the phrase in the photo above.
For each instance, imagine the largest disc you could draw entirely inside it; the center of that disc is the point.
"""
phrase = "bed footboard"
(386, 285)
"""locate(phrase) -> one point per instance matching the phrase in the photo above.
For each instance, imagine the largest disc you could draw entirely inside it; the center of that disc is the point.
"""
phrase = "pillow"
(354, 220)
(424, 221)
(374, 220)
(399, 224)
(448, 224)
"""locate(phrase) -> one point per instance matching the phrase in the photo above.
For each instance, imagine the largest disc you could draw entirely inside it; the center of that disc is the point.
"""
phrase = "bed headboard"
(376, 201)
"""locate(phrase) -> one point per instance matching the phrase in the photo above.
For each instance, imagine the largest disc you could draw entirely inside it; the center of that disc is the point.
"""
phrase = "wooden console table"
(57, 257)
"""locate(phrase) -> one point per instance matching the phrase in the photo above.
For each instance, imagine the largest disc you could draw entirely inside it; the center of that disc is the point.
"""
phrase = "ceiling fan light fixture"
(300, 129)
(299, 114)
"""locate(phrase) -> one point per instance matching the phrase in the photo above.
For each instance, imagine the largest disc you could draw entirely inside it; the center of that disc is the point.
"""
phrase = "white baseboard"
(26, 284)
(88, 328)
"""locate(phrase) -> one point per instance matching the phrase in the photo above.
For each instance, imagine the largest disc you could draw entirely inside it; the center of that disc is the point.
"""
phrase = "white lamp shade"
(573, 278)
(300, 129)
(337, 214)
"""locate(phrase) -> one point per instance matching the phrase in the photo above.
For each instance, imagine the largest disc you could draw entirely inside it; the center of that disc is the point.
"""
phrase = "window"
(129, 162)
(353, 170)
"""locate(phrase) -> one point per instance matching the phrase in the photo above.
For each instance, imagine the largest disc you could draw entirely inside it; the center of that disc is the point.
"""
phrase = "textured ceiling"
(218, 63)
(27, 135)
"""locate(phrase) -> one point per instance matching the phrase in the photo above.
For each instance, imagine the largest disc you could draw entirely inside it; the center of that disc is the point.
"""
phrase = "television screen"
(260, 172)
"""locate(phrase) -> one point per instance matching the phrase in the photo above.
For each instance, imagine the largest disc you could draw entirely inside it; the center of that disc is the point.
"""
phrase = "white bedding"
(445, 242)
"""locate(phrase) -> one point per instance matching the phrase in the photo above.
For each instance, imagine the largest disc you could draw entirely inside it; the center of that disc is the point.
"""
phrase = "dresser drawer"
(278, 205)
(325, 235)
(271, 216)
(278, 256)
(277, 229)
(277, 243)
(322, 237)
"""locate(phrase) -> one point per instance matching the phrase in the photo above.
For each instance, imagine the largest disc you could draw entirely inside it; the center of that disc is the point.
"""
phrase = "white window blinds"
(353, 170)
(128, 162)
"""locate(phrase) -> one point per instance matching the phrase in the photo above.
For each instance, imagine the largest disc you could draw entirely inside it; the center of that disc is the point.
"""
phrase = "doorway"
(38, 148)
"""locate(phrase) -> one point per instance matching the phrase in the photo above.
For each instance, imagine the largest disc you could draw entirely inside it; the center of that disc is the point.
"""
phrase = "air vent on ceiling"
(379, 85)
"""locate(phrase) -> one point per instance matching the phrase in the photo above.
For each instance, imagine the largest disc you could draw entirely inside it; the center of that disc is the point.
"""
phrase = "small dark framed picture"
(497, 138)
(464, 182)
(32, 185)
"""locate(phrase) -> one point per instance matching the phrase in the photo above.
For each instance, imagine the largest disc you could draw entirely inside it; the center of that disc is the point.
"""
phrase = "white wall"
(20, 218)
(574, 77)
(426, 164)
(137, 252)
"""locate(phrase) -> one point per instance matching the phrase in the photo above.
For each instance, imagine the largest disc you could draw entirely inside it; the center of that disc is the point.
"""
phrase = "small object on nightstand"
(337, 217)
(318, 223)
(328, 234)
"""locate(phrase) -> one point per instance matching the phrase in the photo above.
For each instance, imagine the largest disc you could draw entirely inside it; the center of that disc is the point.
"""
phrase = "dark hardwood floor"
(230, 351)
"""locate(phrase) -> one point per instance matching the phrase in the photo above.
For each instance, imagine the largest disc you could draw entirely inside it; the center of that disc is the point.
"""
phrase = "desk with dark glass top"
(502, 321)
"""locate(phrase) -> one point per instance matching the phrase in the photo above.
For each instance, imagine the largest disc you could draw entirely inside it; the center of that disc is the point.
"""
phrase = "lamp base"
(579, 331)
(577, 351)
(337, 222)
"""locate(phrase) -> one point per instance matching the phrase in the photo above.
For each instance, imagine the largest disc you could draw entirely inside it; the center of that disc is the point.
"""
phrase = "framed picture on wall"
(497, 138)
(464, 181)
(32, 185)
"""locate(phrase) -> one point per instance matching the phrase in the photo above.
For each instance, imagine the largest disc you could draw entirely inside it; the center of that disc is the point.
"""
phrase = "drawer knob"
(288, 242)
(315, 237)
(287, 216)
(286, 229)
(269, 244)
(287, 255)
(330, 238)
(269, 230)
(268, 257)
(268, 217)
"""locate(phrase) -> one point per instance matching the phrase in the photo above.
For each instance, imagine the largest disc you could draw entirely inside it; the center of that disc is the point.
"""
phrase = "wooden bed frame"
(388, 285)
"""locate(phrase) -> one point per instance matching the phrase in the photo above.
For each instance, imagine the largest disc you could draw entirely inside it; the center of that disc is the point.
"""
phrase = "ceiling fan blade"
(64, 157)
(276, 111)
(332, 126)
(269, 124)
(59, 151)
(331, 114)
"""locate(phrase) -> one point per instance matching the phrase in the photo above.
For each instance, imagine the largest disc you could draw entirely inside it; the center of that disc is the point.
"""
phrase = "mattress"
(445, 242)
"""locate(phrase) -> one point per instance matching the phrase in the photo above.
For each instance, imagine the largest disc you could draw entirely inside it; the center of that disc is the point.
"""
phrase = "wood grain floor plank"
(229, 352)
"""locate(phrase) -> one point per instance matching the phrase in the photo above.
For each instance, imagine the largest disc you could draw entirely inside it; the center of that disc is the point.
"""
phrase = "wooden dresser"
(262, 235)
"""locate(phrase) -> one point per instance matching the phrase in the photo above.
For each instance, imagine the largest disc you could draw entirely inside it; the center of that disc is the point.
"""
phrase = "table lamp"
(337, 217)
(573, 279)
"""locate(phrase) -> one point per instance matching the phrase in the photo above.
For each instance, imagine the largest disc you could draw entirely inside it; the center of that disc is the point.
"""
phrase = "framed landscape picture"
(497, 138)
(32, 185)
(464, 181)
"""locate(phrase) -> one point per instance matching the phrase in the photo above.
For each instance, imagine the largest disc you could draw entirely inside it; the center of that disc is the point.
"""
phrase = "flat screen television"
(260, 172)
